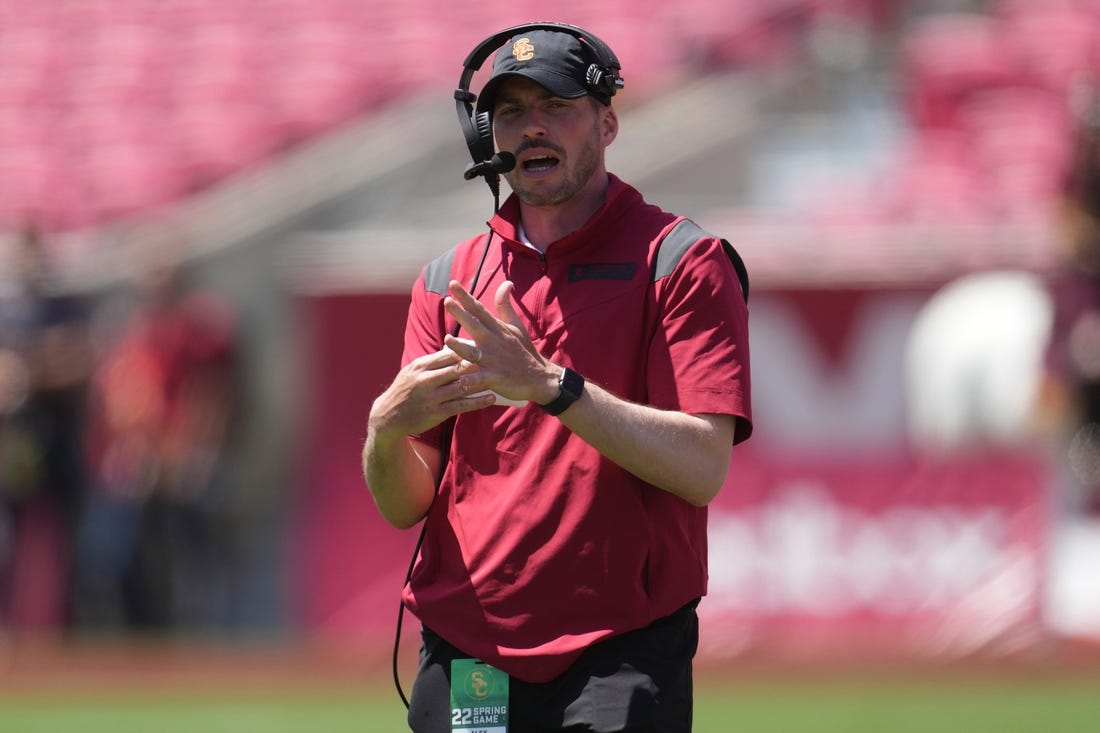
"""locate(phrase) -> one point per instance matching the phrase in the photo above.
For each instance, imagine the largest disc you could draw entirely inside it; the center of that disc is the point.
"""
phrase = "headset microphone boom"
(500, 163)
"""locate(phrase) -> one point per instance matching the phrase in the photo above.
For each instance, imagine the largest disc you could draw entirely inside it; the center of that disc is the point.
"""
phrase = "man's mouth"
(539, 163)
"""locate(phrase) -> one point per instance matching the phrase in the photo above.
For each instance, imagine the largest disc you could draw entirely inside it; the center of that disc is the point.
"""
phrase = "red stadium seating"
(208, 88)
(947, 57)
(1055, 47)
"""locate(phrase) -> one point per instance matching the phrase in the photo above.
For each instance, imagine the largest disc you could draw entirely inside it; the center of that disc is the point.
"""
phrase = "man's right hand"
(426, 392)
(401, 472)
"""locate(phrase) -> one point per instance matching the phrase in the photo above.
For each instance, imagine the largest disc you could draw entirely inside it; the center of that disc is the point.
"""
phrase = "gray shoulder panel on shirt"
(681, 238)
(674, 245)
(437, 273)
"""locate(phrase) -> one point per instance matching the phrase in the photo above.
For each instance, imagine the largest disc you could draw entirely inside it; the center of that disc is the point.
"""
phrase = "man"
(595, 397)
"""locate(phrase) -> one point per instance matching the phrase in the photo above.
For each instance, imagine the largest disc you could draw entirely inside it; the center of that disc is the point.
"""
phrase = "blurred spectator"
(151, 545)
(1074, 356)
(44, 364)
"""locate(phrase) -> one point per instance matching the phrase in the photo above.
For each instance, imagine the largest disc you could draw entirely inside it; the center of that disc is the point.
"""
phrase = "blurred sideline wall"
(832, 537)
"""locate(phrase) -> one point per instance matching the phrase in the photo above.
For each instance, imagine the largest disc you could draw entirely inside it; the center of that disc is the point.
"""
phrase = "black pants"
(639, 682)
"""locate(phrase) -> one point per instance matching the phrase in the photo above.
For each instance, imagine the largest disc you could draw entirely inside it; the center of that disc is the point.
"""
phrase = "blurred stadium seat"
(1055, 46)
(204, 74)
(946, 58)
(227, 85)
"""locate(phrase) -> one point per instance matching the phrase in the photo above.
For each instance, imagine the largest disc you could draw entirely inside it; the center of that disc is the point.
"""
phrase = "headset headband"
(605, 57)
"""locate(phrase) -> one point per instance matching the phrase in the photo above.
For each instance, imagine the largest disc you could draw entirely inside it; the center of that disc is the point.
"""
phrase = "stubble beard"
(588, 161)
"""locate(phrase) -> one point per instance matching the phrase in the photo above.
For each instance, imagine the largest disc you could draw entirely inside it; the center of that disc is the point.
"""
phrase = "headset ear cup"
(602, 81)
(594, 77)
(483, 147)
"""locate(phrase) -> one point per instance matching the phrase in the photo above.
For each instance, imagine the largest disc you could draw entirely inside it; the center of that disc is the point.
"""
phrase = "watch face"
(571, 383)
(570, 387)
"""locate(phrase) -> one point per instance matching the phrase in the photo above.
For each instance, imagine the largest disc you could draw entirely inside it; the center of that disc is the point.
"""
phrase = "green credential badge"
(479, 698)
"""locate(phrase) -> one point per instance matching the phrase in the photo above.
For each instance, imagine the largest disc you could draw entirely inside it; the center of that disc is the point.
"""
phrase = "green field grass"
(891, 704)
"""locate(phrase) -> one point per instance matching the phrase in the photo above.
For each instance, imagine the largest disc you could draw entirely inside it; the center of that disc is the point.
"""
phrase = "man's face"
(558, 143)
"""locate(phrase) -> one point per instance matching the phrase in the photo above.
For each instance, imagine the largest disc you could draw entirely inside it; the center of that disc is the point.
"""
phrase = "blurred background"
(212, 212)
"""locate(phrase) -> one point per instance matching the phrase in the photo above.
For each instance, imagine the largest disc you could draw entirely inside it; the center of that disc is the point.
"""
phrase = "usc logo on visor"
(523, 49)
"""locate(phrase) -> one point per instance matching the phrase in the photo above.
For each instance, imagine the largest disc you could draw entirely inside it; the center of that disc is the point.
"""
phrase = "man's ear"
(609, 124)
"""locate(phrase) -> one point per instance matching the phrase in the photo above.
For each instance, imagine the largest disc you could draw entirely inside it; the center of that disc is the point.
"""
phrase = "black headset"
(603, 80)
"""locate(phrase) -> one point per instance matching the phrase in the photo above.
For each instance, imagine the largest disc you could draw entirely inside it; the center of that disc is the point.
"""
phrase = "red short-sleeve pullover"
(536, 545)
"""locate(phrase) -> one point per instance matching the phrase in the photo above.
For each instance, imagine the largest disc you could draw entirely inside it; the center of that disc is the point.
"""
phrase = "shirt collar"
(620, 196)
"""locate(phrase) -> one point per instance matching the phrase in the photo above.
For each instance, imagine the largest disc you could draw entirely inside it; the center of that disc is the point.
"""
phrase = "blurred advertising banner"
(877, 556)
(831, 536)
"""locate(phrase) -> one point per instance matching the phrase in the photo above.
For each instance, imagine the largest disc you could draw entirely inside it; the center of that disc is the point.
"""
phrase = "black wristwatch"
(570, 387)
